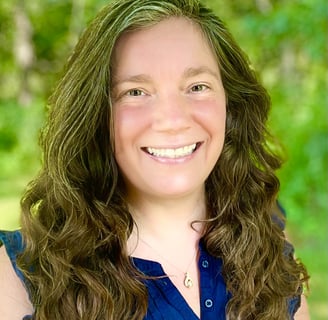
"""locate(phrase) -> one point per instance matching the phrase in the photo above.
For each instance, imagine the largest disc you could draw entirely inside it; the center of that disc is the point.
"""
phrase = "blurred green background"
(287, 44)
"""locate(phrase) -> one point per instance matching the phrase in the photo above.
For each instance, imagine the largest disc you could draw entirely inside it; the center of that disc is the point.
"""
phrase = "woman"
(157, 195)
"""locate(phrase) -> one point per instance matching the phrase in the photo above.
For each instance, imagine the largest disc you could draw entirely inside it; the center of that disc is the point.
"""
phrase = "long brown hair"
(75, 220)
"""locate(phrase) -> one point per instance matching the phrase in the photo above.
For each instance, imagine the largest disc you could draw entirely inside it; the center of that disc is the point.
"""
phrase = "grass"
(10, 193)
(314, 254)
(9, 213)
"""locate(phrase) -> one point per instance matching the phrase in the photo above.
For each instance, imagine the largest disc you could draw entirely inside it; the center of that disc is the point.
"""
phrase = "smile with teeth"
(172, 153)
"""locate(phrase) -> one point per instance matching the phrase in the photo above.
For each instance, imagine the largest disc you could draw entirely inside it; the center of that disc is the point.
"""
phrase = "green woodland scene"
(286, 41)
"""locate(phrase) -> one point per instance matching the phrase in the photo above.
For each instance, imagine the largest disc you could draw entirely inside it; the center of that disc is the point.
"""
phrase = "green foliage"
(286, 42)
(10, 123)
(19, 153)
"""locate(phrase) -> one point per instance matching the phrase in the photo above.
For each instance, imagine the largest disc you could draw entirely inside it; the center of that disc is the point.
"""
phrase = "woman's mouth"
(172, 153)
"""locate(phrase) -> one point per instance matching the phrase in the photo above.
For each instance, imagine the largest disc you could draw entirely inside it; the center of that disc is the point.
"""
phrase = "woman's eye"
(135, 93)
(199, 87)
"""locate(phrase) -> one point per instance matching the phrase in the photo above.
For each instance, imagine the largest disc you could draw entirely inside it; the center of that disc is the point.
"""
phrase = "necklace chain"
(187, 281)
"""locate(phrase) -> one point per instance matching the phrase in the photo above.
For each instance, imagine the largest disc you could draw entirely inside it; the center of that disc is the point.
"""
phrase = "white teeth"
(172, 153)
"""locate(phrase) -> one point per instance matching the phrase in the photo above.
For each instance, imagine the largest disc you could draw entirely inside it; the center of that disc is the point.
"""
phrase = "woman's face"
(169, 110)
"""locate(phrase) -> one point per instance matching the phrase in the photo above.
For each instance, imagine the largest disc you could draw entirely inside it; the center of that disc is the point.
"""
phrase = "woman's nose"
(171, 113)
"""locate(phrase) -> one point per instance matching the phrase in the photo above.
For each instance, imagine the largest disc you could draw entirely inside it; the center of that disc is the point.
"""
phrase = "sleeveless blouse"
(164, 300)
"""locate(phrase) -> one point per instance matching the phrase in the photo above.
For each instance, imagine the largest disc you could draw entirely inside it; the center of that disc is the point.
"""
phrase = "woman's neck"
(168, 224)
(154, 216)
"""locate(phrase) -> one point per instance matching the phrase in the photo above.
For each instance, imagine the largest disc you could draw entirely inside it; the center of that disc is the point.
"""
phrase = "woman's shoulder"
(13, 243)
(14, 302)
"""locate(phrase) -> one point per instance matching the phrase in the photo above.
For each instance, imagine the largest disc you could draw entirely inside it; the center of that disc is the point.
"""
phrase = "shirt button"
(208, 303)
(205, 264)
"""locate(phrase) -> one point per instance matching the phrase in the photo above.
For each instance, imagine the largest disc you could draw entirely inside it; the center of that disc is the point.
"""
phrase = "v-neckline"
(155, 269)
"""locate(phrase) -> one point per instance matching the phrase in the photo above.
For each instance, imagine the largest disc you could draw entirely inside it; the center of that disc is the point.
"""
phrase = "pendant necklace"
(188, 281)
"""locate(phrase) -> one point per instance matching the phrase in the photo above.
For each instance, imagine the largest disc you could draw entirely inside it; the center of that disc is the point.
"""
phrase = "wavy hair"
(75, 220)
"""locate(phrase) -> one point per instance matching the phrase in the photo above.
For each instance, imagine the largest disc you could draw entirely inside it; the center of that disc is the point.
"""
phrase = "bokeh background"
(286, 42)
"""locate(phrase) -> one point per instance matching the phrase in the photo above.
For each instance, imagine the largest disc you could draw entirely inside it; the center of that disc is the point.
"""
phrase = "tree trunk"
(23, 52)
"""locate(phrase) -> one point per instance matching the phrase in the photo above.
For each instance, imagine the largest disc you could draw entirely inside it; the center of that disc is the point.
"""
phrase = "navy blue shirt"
(166, 302)
(164, 299)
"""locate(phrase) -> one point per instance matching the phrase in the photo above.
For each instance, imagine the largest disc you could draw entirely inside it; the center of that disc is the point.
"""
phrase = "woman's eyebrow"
(192, 72)
(138, 78)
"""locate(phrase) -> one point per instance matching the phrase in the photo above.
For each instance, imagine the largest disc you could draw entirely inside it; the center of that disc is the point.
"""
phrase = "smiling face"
(169, 110)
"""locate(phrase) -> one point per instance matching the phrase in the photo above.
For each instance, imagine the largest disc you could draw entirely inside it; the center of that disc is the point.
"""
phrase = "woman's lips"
(172, 153)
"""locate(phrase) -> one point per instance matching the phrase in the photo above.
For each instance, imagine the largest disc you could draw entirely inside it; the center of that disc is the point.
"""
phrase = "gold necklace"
(188, 281)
